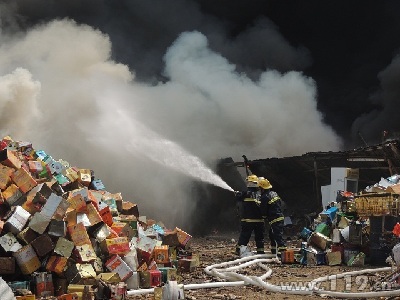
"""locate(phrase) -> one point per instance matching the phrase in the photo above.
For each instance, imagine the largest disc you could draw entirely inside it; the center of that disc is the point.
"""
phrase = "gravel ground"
(219, 248)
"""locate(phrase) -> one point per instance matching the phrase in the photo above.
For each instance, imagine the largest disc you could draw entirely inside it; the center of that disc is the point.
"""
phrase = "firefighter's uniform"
(273, 212)
(251, 219)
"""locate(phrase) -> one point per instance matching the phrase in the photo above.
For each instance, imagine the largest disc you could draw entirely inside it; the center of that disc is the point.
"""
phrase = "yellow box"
(5, 176)
(377, 204)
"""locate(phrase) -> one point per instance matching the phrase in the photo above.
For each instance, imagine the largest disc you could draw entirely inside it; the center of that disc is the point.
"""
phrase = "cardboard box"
(119, 245)
(70, 296)
(27, 260)
(334, 258)
(35, 166)
(78, 234)
(57, 228)
(85, 253)
(43, 245)
(85, 177)
(10, 159)
(5, 176)
(7, 265)
(43, 284)
(9, 243)
(168, 274)
(109, 277)
(106, 216)
(26, 297)
(27, 235)
(123, 229)
(133, 281)
(39, 222)
(129, 208)
(131, 259)
(77, 202)
(57, 264)
(18, 219)
(161, 254)
(23, 180)
(117, 265)
(12, 194)
(64, 247)
(78, 273)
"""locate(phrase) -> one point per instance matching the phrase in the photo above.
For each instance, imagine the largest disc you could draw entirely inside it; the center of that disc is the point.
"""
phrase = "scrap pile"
(356, 229)
(63, 236)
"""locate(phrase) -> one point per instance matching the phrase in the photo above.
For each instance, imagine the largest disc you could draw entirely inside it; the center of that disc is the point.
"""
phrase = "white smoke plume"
(61, 90)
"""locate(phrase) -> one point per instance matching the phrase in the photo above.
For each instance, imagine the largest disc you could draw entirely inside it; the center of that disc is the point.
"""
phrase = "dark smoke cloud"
(102, 82)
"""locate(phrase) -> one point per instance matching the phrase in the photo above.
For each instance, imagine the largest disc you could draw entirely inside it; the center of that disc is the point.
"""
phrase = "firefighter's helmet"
(252, 178)
(265, 184)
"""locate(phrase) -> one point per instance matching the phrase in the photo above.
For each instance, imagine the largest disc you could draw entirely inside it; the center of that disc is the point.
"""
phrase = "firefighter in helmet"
(251, 219)
(272, 209)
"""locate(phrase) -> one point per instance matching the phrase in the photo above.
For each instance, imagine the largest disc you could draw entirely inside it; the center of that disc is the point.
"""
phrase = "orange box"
(161, 254)
(77, 202)
(183, 237)
(79, 234)
(106, 215)
(56, 264)
(118, 245)
(287, 257)
(71, 296)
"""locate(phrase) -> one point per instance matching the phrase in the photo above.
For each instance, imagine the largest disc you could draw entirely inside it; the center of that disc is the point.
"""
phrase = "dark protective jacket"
(250, 206)
(271, 207)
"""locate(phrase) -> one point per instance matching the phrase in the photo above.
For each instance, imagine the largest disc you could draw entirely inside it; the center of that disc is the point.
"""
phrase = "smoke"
(63, 88)
(374, 123)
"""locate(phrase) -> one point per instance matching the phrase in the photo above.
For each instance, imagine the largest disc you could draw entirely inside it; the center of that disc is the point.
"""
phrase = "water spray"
(165, 152)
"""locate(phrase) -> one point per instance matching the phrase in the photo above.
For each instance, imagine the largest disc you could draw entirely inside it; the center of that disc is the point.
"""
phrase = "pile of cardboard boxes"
(63, 235)
(356, 229)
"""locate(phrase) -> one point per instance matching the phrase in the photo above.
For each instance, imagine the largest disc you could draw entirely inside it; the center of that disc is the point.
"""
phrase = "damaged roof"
(298, 179)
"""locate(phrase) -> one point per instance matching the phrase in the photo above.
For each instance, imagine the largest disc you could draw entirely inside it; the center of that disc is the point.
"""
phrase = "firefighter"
(272, 209)
(251, 218)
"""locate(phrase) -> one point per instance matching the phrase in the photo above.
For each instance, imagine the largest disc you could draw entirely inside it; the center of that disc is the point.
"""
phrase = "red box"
(155, 277)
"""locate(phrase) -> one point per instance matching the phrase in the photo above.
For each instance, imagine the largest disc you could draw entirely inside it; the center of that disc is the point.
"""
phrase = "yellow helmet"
(252, 178)
(265, 184)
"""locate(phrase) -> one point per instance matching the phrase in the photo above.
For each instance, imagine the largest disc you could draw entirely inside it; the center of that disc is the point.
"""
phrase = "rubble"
(64, 236)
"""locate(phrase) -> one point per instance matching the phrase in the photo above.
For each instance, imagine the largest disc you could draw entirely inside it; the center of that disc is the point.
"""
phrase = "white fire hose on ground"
(228, 271)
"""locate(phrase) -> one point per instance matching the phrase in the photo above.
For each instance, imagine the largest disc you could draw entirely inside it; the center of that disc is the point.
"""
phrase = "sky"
(151, 94)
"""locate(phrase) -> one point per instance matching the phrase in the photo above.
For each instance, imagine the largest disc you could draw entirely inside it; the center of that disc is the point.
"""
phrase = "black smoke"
(219, 78)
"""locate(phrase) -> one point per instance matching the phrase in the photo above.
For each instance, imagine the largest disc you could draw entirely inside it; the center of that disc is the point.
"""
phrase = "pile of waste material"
(64, 236)
(357, 229)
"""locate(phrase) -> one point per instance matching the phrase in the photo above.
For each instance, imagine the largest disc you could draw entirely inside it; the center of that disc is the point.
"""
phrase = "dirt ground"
(219, 248)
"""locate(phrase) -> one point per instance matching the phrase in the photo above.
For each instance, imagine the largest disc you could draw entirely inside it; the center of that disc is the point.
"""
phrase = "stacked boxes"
(62, 229)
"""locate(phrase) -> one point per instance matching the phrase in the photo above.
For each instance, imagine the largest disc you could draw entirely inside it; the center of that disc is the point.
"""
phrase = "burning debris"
(64, 236)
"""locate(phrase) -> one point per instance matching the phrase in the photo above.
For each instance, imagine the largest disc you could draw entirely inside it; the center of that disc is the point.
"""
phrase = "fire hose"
(228, 271)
